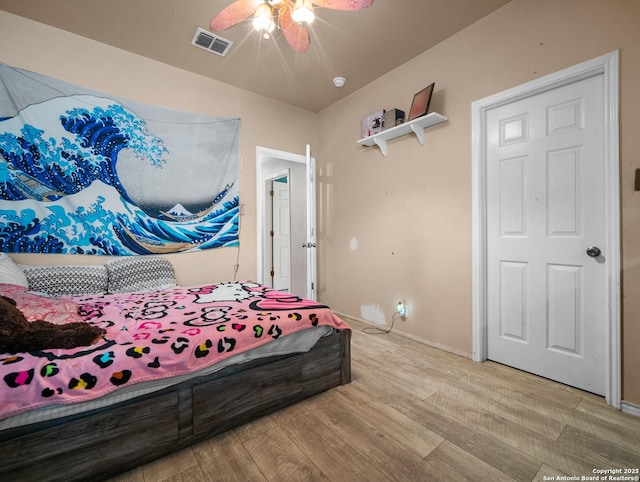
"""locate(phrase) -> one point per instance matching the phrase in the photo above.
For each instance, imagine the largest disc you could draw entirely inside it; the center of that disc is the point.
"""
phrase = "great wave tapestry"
(83, 173)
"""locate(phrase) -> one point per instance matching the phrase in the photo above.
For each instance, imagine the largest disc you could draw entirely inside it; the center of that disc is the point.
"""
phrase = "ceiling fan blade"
(343, 4)
(234, 13)
(297, 35)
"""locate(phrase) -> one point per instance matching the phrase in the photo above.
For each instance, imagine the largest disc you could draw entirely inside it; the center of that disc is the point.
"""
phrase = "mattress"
(151, 340)
(298, 342)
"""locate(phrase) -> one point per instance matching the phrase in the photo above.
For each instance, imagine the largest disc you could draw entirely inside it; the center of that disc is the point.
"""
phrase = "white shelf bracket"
(419, 132)
(382, 144)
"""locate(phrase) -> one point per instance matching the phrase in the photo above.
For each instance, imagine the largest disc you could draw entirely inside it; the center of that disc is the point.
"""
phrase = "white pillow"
(10, 273)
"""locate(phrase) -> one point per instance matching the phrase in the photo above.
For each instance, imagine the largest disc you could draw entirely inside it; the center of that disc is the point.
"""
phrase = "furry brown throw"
(17, 334)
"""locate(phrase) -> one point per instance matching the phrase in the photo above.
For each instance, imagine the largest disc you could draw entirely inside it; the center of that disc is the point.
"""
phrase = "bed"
(176, 365)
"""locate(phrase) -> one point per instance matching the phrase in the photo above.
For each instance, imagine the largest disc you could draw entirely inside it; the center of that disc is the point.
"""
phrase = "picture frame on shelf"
(420, 103)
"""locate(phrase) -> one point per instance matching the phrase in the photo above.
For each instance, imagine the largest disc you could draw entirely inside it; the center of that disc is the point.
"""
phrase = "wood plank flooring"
(416, 413)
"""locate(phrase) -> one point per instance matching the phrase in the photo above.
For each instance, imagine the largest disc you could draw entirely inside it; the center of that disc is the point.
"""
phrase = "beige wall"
(399, 227)
(396, 227)
(265, 122)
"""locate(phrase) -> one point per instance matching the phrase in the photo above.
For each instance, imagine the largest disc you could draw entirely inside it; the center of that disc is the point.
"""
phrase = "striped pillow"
(67, 279)
(140, 273)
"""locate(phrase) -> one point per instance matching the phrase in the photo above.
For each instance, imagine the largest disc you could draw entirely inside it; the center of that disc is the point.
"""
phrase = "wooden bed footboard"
(102, 443)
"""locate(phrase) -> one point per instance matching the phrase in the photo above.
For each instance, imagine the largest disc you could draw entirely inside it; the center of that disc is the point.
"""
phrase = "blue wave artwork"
(82, 173)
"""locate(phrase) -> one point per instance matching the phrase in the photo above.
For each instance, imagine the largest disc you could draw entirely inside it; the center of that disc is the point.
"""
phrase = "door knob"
(593, 251)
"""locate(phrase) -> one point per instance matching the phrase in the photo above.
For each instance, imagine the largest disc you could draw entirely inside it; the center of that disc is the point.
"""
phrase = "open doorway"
(299, 257)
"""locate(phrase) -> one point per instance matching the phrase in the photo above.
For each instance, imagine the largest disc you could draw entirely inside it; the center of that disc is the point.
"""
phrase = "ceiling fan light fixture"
(291, 16)
(263, 21)
(303, 12)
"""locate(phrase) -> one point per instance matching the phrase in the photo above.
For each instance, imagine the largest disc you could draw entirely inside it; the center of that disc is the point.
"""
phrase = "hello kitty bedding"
(155, 336)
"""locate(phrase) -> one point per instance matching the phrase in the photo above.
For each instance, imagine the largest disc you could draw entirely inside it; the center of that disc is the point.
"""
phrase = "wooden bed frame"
(102, 443)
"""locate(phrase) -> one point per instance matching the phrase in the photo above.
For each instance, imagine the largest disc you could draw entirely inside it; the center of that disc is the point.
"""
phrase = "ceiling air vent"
(211, 42)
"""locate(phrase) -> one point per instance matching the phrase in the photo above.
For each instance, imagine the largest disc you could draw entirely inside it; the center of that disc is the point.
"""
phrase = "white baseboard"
(395, 330)
(630, 408)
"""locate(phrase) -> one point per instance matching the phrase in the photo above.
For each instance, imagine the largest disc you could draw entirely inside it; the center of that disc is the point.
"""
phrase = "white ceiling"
(360, 46)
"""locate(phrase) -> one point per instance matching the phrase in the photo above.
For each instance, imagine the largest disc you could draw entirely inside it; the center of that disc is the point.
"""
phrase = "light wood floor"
(416, 413)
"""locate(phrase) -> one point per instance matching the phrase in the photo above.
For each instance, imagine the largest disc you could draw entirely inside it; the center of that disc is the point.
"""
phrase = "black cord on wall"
(372, 330)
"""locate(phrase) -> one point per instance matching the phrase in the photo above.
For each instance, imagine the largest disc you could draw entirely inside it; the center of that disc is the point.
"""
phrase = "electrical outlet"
(401, 309)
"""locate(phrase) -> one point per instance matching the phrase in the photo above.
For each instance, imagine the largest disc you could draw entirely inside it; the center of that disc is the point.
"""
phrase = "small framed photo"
(421, 101)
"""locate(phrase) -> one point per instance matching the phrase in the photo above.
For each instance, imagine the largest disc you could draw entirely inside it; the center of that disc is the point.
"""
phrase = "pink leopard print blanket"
(149, 336)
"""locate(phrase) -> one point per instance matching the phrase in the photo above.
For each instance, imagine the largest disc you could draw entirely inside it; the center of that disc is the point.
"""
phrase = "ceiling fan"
(290, 16)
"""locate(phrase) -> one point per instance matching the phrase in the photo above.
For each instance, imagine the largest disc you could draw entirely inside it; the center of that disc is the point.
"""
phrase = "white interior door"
(280, 233)
(311, 225)
(545, 175)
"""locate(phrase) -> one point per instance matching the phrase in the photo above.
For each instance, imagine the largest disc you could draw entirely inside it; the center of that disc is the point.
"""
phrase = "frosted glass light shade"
(262, 19)
(303, 12)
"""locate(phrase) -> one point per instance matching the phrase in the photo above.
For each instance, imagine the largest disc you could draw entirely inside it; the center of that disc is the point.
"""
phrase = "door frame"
(264, 154)
(608, 66)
